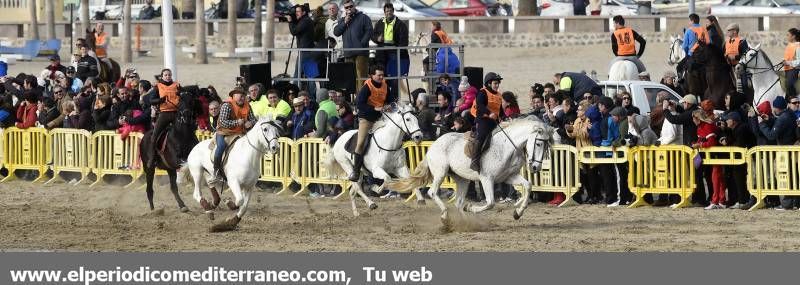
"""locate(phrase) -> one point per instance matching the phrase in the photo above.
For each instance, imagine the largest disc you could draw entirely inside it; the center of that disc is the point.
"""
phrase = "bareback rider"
(735, 48)
(167, 99)
(372, 98)
(235, 118)
(623, 44)
(487, 110)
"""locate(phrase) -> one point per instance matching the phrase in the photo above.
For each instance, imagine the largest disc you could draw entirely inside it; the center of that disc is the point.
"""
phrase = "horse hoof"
(373, 206)
(232, 205)
(206, 206)
(184, 209)
(516, 216)
(421, 202)
(227, 225)
(210, 215)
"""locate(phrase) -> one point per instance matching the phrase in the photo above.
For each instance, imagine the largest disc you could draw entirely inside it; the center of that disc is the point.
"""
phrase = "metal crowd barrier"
(560, 174)
(72, 152)
(661, 170)
(414, 155)
(278, 167)
(113, 156)
(26, 149)
(773, 170)
(309, 154)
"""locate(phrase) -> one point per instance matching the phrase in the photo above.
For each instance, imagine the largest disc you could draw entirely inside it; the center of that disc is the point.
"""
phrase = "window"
(612, 90)
(651, 94)
(450, 4)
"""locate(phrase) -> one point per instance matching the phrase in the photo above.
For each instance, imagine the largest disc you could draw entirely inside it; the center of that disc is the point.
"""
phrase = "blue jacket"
(689, 38)
(613, 133)
(595, 134)
(453, 63)
(783, 131)
(302, 124)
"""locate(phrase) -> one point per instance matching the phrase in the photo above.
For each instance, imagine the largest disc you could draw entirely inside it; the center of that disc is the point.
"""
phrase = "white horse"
(676, 52)
(501, 162)
(242, 169)
(384, 156)
(623, 70)
(766, 82)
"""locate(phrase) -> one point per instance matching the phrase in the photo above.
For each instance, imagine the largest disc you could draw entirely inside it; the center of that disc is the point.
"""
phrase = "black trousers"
(608, 174)
(483, 129)
(791, 78)
(736, 181)
(163, 121)
(589, 178)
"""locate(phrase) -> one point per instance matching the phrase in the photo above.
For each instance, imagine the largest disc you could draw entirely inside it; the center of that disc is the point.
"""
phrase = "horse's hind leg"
(526, 192)
(149, 174)
(360, 191)
(353, 192)
(462, 187)
(173, 186)
(434, 193)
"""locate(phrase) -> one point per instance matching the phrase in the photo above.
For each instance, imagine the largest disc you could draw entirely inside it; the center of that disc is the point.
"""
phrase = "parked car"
(473, 8)
(756, 7)
(403, 9)
(643, 93)
(560, 8)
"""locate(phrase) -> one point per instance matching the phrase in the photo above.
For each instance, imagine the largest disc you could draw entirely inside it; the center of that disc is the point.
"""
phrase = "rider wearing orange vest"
(373, 96)
(735, 47)
(694, 33)
(791, 61)
(167, 92)
(623, 44)
(235, 118)
(487, 110)
(101, 41)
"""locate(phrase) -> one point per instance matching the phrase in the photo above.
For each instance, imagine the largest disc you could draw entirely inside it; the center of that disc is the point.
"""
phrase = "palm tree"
(49, 11)
(232, 27)
(200, 34)
(127, 53)
(34, 27)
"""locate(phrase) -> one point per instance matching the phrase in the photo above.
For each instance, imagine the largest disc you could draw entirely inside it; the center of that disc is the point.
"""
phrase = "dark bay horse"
(109, 71)
(718, 73)
(180, 139)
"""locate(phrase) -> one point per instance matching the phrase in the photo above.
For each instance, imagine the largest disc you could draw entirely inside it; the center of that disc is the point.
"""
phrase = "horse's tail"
(332, 166)
(420, 177)
(183, 174)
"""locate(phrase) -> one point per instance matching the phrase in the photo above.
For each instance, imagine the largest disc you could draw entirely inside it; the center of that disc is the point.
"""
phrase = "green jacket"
(327, 109)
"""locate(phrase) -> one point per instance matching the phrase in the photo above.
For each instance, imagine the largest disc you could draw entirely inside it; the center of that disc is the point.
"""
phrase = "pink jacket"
(469, 98)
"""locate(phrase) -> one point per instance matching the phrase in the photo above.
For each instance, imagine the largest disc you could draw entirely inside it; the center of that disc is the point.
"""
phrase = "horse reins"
(247, 138)
(405, 131)
(762, 70)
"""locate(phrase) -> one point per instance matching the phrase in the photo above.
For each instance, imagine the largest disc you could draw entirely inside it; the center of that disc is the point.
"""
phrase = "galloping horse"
(179, 139)
(766, 82)
(110, 70)
(384, 154)
(500, 163)
(242, 169)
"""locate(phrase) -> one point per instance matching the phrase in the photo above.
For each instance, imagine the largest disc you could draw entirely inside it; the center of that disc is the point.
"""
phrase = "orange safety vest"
(789, 55)
(100, 40)
(377, 95)
(495, 102)
(238, 112)
(702, 35)
(443, 36)
(169, 96)
(626, 46)
(732, 48)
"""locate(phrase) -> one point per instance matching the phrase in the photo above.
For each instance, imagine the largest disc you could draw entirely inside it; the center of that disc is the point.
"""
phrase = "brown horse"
(717, 72)
(110, 71)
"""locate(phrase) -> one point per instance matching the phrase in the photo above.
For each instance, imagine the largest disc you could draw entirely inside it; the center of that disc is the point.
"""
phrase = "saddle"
(350, 146)
(229, 142)
(470, 145)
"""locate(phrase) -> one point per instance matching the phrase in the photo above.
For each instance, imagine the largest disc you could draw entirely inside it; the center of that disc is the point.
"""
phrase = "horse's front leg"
(526, 192)
(173, 185)
(487, 184)
(379, 173)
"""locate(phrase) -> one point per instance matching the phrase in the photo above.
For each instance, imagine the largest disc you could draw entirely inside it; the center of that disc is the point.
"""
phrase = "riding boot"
(358, 163)
(476, 158)
(217, 171)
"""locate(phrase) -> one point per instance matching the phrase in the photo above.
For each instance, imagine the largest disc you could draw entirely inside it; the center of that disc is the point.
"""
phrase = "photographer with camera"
(302, 27)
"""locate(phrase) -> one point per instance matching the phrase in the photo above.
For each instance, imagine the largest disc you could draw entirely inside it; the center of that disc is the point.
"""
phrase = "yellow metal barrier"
(773, 170)
(560, 173)
(719, 155)
(278, 167)
(2, 150)
(113, 156)
(603, 155)
(661, 170)
(309, 153)
(414, 155)
(27, 149)
(204, 135)
(72, 152)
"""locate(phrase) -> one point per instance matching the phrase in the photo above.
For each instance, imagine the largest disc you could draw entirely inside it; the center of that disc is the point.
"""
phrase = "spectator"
(70, 112)
(391, 31)
(355, 30)
(26, 111)
(639, 132)
(510, 105)
(147, 12)
(125, 128)
(707, 137)
(346, 118)
(736, 134)
(55, 66)
(783, 132)
(213, 116)
(576, 84)
(48, 112)
(614, 123)
(60, 96)
(123, 104)
(310, 105)
(302, 28)
(763, 116)
(580, 133)
(277, 107)
(565, 118)
(258, 102)
(87, 65)
(147, 94)
(425, 118)
(330, 24)
(327, 112)
(202, 119)
(549, 89)
(670, 133)
(669, 80)
(537, 106)
(553, 106)
(300, 123)
(102, 112)
(644, 76)
(75, 83)
(446, 85)
(84, 108)
(627, 103)
(444, 118)
(468, 94)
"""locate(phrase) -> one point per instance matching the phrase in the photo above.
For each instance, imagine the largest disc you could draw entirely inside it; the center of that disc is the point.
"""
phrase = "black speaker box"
(257, 73)
(342, 76)
(474, 76)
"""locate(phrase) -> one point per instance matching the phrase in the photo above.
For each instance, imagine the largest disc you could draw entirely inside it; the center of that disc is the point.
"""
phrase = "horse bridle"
(268, 140)
(762, 70)
(546, 150)
(672, 50)
(405, 130)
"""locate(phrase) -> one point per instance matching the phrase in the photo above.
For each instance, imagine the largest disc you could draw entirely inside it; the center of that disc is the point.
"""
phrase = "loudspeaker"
(342, 76)
(474, 76)
(257, 73)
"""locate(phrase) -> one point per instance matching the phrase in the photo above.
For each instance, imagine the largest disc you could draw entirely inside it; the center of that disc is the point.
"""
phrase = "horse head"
(189, 106)
(538, 146)
(403, 118)
(749, 58)
(676, 53)
(270, 133)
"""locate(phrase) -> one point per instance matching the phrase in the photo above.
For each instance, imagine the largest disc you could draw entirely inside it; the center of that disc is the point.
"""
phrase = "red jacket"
(707, 135)
(202, 120)
(26, 116)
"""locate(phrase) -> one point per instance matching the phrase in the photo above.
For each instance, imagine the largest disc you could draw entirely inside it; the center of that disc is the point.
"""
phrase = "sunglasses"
(348, 7)
(795, 102)
(626, 98)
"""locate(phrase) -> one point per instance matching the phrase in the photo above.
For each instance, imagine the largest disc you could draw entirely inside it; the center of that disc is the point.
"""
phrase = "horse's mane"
(525, 121)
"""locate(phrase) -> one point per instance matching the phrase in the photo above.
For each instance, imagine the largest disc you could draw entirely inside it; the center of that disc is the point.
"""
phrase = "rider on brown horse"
(168, 99)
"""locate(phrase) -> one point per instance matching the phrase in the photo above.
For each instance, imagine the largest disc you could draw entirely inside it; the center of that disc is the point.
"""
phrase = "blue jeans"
(220, 149)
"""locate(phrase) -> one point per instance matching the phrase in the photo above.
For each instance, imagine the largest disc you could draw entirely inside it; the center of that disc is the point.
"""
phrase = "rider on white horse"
(235, 118)
(487, 110)
(371, 100)
(735, 48)
(623, 44)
